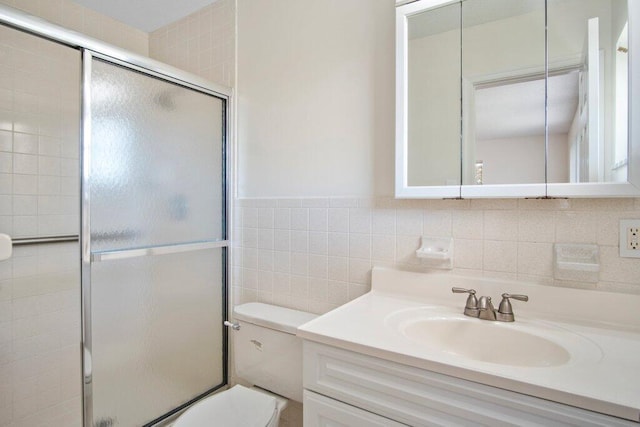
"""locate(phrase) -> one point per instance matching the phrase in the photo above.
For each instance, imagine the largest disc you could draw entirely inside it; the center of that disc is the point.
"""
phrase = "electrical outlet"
(630, 238)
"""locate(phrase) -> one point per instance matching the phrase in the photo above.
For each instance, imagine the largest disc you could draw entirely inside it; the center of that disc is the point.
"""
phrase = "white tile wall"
(39, 337)
(202, 43)
(315, 254)
(42, 117)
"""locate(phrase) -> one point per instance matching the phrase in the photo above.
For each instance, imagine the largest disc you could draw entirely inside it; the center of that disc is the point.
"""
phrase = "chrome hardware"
(483, 308)
(505, 311)
(471, 307)
(233, 325)
(486, 310)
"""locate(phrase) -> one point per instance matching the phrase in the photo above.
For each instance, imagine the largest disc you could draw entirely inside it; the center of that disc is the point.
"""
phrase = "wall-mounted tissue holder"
(6, 247)
(438, 251)
(576, 262)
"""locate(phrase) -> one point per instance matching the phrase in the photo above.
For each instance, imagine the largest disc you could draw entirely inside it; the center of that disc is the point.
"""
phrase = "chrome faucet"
(483, 308)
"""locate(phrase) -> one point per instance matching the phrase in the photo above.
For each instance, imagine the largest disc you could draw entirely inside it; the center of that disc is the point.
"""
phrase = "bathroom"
(312, 204)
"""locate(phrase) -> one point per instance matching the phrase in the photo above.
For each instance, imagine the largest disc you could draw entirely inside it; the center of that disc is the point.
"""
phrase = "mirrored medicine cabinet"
(518, 98)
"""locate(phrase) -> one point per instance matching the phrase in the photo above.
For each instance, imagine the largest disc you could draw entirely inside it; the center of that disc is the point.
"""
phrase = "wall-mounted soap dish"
(576, 262)
(438, 251)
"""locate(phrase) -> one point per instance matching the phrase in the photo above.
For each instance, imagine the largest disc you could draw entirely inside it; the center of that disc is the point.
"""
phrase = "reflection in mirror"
(503, 87)
(433, 156)
(590, 37)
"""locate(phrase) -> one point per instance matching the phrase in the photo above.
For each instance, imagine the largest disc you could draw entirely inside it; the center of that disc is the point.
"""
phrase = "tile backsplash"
(315, 254)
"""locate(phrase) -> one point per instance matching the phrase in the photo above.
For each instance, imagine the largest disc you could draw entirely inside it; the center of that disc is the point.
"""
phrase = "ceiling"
(146, 15)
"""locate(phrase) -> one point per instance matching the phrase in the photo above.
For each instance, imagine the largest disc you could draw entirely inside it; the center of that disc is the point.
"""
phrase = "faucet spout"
(486, 309)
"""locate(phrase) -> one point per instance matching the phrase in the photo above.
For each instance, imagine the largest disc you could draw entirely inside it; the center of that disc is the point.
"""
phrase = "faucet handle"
(463, 291)
(505, 304)
(472, 301)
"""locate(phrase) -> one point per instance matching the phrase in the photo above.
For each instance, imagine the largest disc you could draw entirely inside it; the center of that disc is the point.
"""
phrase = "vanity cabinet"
(346, 388)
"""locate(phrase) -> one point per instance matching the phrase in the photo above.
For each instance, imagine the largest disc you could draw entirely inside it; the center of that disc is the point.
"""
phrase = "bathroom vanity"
(405, 354)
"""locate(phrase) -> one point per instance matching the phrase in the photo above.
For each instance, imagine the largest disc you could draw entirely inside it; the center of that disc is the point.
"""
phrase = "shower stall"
(140, 183)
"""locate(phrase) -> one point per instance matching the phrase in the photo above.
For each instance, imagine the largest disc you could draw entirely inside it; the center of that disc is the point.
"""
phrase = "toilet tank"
(266, 350)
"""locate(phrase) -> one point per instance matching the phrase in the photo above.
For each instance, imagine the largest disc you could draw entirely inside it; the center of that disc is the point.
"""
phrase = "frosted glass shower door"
(154, 244)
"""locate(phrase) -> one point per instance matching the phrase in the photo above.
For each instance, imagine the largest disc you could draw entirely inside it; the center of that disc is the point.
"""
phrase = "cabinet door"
(320, 411)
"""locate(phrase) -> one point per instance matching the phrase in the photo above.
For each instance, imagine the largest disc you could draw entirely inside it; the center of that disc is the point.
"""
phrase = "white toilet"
(268, 355)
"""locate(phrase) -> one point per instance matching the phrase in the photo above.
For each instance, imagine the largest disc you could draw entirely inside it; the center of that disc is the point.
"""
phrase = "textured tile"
(406, 247)
(360, 271)
(409, 222)
(536, 226)
(468, 224)
(501, 225)
(300, 241)
(360, 246)
(576, 227)
(338, 244)
(360, 220)
(300, 219)
(265, 218)
(338, 268)
(494, 204)
(613, 268)
(383, 247)
(535, 259)
(319, 243)
(299, 263)
(339, 220)
(437, 223)
(467, 254)
(318, 266)
(500, 256)
(383, 221)
(282, 218)
(265, 238)
(318, 219)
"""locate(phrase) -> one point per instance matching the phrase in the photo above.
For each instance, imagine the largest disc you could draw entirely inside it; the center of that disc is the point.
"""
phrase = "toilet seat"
(237, 407)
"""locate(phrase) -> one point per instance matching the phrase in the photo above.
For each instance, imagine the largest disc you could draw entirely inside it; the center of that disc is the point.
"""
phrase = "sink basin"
(520, 344)
(488, 342)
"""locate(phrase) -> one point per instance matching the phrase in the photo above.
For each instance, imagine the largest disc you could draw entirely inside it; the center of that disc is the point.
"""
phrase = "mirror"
(589, 38)
(503, 75)
(434, 125)
(474, 79)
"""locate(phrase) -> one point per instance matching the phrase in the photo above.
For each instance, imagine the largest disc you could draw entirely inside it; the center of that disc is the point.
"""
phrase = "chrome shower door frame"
(88, 257)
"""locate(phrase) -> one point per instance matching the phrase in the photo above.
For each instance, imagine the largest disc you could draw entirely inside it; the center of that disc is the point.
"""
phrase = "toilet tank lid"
(271, 316)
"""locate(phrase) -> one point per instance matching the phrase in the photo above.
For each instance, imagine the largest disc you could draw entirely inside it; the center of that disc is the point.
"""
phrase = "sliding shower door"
(154, 243)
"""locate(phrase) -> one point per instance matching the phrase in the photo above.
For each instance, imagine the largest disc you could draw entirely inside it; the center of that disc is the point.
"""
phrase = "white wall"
(315, 97)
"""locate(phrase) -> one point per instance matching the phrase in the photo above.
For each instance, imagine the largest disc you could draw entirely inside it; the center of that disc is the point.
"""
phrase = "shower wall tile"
(323, 256)
(202, 43)
(40, 357)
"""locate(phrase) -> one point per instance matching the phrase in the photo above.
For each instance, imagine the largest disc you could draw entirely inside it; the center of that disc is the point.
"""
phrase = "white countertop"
(605, 377)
